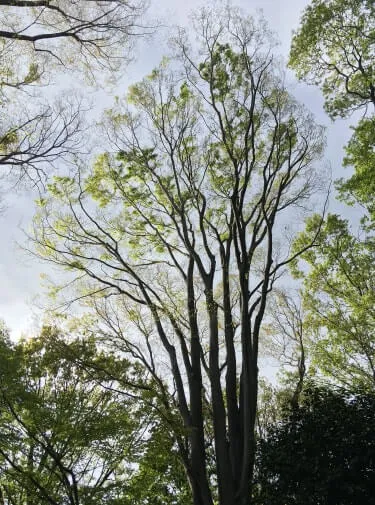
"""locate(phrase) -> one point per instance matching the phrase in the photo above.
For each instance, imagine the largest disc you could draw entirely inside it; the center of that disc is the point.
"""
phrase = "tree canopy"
(75, 429)
(64, 438)
(177, 231)
(37, 40)
(339, 300)
(322, 453)
(173, 251)
(334, 48)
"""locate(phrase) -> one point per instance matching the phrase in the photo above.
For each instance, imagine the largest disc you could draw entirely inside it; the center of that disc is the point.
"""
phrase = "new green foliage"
(360, 154)
(339, 300)
(65, 438)
(171, 239)
(334, 48)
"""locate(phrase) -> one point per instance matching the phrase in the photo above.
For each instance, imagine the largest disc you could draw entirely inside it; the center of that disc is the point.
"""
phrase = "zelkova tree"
(38, 38)
(177, 238)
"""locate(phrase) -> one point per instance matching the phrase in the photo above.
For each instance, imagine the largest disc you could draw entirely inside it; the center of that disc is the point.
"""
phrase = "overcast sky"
(20, 279)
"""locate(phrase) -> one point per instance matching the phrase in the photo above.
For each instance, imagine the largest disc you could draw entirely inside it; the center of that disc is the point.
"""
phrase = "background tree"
(36, 39)
(284, 339)
(339, 300)
(322, 453)
(65, 438)
(178, 234)
(334, 48)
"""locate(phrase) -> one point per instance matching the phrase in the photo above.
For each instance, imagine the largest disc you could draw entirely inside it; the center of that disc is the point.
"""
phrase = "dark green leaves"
(323, 453)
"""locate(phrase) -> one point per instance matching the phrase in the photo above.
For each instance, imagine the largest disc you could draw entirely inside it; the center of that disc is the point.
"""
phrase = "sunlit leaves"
(360, 154)
(339, 301)
(334, 47)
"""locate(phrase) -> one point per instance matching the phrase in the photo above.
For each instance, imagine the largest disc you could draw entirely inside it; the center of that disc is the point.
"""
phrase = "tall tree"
(178, 234)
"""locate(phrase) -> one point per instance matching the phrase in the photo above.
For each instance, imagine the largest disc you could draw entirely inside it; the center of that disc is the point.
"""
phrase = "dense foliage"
(73, 434)
(322, 453)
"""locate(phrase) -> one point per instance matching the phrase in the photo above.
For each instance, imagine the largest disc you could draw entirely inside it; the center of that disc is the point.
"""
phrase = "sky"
(20, 275)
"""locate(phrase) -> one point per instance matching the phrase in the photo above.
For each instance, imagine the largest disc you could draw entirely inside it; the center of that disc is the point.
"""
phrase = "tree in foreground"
(322, 453)
(177, 238)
